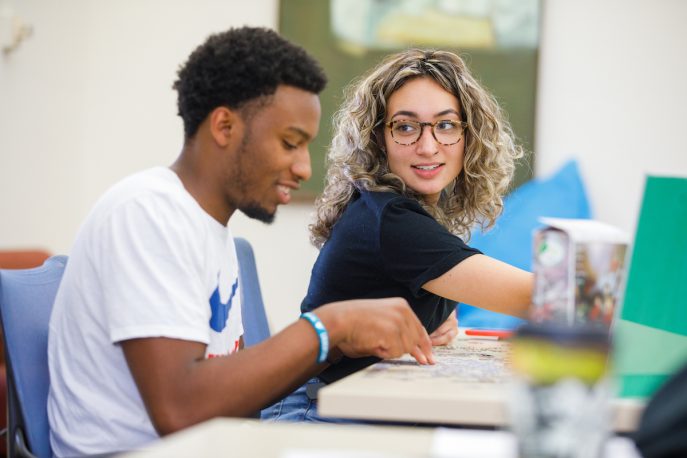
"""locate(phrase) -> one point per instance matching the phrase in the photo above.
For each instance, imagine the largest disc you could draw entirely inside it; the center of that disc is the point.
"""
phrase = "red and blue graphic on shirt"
(220, 310)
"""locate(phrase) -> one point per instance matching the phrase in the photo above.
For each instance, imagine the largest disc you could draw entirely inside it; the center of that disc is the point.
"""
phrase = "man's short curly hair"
(238, 66)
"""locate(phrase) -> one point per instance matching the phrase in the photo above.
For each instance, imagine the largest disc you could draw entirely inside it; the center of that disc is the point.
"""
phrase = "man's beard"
(255, 211)
(250, 208)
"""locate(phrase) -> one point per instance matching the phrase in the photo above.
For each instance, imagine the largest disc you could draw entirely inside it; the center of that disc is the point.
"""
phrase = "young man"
(147, 318)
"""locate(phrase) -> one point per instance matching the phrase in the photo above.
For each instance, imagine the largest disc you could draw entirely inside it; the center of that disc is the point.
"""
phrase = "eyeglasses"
(446, 132)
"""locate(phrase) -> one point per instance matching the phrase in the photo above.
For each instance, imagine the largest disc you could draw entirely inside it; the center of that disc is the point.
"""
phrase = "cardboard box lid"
(587, 230)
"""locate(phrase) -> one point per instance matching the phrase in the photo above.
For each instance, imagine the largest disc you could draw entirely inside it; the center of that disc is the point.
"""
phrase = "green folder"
(651, 332)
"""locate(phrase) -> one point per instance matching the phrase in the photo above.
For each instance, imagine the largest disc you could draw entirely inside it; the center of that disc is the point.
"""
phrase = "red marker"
(500, 333)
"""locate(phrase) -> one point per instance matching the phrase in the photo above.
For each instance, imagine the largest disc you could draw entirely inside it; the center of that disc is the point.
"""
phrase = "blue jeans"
(298, 407)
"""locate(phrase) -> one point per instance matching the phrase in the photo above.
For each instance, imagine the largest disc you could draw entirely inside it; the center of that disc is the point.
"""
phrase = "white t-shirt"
(147, 262)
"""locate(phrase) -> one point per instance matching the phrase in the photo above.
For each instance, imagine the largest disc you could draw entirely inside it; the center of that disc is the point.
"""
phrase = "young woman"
(421, 154)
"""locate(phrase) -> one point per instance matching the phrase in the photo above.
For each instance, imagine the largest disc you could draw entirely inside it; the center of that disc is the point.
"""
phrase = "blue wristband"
(321, 334)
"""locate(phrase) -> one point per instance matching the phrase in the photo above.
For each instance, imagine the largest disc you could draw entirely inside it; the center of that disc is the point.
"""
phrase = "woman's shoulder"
(379, 207)
(383, 199)
(387, 204)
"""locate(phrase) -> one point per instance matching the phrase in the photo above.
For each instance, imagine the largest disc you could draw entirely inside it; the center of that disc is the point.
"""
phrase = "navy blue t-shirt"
(384, 245)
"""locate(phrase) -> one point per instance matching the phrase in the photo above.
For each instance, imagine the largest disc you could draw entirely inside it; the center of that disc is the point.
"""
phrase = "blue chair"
(255, 326)
(26, 300)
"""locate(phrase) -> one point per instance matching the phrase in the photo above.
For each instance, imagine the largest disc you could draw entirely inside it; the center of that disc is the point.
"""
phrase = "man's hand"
(386, 328)
(444, 334)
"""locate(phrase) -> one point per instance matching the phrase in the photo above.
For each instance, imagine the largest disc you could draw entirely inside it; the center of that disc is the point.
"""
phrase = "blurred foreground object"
(560, 401)
(661, 432)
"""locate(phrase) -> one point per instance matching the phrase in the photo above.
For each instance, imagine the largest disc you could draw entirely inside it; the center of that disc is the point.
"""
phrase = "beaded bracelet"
(322, 335)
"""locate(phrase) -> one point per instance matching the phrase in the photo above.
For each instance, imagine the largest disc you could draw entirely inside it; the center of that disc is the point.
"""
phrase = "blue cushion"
(510, 240)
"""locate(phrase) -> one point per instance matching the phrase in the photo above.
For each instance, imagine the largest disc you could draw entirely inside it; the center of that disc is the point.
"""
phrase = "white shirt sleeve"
(150, 261)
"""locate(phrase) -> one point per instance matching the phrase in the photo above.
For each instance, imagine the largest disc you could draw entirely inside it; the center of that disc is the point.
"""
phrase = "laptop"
(650, 330)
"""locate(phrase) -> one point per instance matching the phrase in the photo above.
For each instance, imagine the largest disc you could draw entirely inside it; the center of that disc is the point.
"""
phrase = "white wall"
(87, 100)
(613, 93)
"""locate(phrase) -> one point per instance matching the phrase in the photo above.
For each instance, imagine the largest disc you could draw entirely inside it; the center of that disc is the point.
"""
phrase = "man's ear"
(224, 125)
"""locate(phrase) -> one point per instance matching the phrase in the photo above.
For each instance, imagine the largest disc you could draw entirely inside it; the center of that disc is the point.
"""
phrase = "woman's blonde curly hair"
(357, 159)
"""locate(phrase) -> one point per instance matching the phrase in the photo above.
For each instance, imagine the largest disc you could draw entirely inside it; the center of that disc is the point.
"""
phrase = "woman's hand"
(445, 333)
